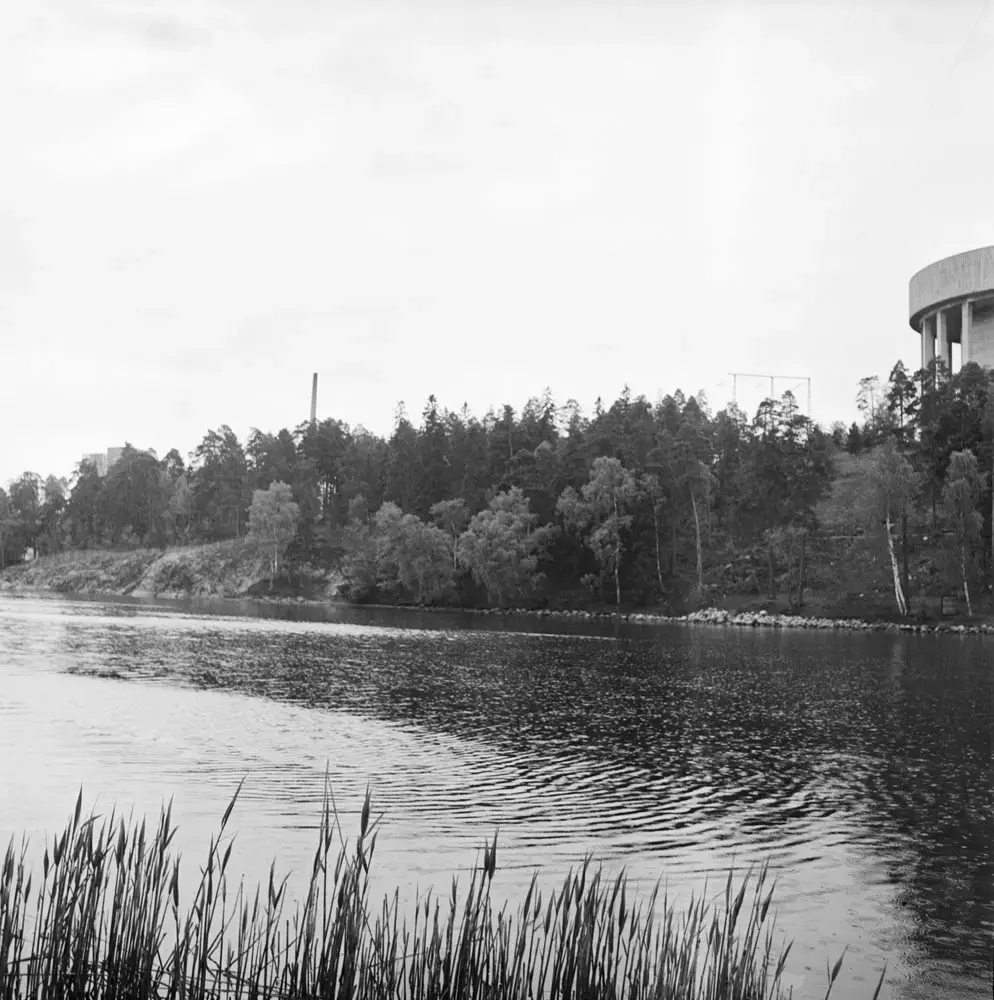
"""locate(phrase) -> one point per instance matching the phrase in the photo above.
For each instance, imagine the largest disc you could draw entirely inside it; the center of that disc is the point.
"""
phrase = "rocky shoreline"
(706, 616)
(761, 619)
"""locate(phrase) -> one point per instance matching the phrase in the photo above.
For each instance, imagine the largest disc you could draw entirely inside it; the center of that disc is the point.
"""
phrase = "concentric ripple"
(861, 764)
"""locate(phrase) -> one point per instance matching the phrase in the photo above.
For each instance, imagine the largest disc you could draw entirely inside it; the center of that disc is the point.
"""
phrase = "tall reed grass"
(105, 920)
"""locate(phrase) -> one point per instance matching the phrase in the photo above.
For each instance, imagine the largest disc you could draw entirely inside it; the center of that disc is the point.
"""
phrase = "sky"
(202, 202)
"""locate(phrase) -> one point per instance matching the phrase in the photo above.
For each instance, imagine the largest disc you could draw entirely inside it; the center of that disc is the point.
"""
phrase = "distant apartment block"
(103, 461)
(99, 460)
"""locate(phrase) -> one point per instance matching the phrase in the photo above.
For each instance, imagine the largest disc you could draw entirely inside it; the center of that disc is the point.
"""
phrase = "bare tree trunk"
(617, 559)
(800, 574)
(707, 499)
(898, 592)
(790, 579)
(905, 573)
(697, 532)
(966, 589)
(770, 587)
(659, 568)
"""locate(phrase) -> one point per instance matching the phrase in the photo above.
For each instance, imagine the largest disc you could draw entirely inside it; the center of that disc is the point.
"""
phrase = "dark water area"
(859, 764)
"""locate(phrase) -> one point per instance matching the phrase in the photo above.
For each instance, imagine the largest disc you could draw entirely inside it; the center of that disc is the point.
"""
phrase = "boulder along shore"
(706, 616)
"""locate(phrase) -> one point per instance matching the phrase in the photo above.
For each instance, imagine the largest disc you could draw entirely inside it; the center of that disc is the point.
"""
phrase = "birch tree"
(8, 525)
(452, 517)
(502, 546)
(654, 491)
(273, 519)
(889, 489)
(600, 512)
(961, 494)
(692, 451)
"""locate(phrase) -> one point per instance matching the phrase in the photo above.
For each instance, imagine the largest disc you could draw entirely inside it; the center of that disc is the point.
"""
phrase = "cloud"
(15, 256)
(211, 200)
(157, 132)
(167, 25)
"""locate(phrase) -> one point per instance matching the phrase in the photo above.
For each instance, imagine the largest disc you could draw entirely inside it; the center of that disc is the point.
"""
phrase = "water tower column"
(942, 346)
(964, 337)
(928, 341)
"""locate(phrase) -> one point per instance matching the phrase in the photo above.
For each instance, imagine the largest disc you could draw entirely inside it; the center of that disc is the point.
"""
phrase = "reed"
(105, 920)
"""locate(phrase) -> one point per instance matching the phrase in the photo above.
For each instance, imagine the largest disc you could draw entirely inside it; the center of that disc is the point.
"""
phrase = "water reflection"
(863, 763)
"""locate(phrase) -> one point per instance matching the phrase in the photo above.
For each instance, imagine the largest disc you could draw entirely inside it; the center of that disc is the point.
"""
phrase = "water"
(860, 764)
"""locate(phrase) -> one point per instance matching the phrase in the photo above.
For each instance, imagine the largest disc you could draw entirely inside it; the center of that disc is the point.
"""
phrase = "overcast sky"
(204, 201)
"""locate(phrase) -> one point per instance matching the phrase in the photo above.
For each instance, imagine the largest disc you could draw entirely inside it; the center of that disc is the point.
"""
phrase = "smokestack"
(314, 400)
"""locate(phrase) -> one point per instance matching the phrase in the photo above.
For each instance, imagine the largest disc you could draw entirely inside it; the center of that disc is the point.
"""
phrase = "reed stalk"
(106, 919)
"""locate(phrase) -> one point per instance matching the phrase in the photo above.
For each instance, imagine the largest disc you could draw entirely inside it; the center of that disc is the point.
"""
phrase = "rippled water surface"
(861, 764)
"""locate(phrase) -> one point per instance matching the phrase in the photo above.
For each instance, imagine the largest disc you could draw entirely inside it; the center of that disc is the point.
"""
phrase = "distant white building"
(103, 461)
(99, 460)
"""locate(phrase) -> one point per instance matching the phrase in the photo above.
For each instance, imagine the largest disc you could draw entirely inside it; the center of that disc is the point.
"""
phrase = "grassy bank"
(107, 918)
(223, 569)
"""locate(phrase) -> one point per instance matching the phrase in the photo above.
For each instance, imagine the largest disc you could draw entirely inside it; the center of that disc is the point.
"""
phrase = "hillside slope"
(223, 569)
(852, 569)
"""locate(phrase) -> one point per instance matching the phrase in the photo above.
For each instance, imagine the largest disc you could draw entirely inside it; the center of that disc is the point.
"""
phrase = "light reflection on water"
(861, 764)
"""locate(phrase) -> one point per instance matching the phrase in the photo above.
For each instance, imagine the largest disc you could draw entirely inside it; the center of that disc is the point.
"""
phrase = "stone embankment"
(761, 619)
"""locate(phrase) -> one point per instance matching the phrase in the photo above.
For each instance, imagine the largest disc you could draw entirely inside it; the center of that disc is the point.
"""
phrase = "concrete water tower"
(952, 302)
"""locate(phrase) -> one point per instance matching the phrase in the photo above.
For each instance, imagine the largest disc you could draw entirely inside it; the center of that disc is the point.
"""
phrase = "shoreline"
(705, 616)
(714, 617)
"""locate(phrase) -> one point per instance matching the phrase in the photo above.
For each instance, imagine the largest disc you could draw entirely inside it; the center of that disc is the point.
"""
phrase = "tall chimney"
(314, 400)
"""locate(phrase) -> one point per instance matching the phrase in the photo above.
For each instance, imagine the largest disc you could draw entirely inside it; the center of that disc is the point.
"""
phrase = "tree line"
(638, 502)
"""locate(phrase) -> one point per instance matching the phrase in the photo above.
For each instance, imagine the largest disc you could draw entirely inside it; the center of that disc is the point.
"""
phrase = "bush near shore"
(106, 919)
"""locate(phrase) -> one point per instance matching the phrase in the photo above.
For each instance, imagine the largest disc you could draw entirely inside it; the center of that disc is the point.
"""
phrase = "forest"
(638, 503)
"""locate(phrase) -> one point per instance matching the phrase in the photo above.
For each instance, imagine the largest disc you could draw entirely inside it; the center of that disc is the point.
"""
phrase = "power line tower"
(773, 380)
